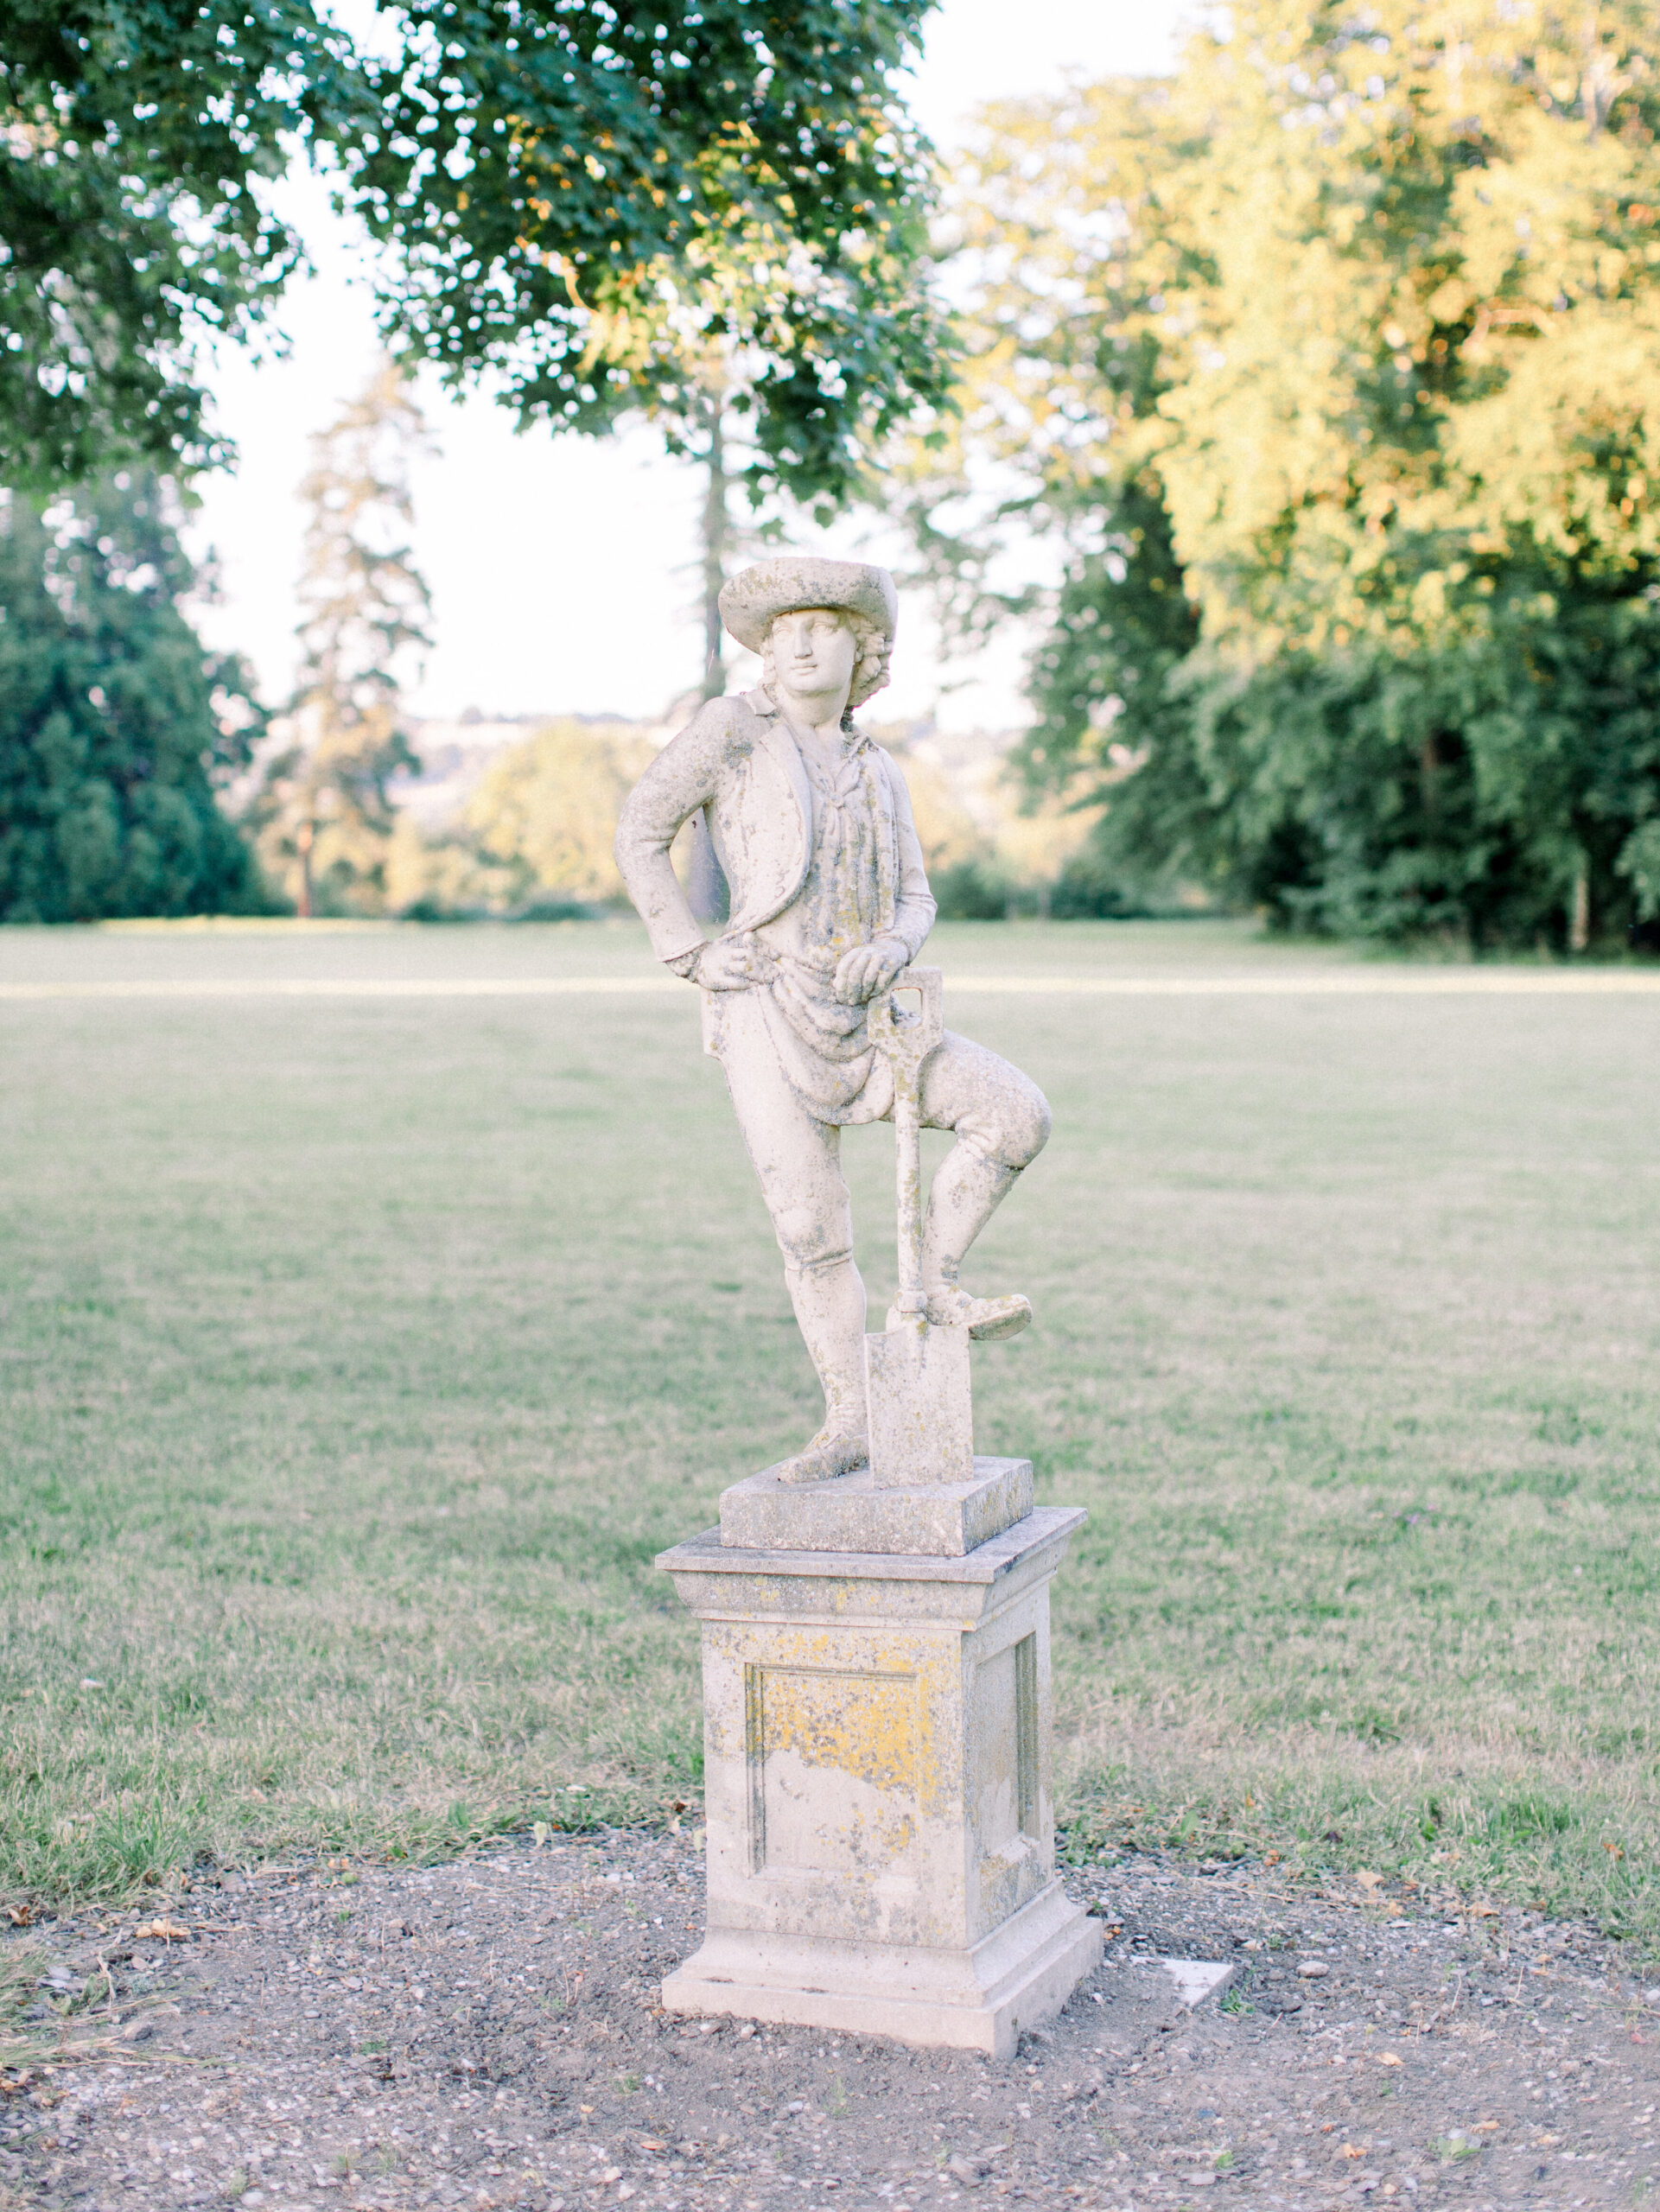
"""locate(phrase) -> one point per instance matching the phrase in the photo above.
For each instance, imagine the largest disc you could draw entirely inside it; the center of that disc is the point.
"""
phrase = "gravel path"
(486, 2034)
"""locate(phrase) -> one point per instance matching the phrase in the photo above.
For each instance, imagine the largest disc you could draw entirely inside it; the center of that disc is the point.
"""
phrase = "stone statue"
(808, 825)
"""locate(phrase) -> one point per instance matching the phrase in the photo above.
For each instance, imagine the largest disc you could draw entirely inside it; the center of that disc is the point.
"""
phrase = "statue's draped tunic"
(821, 1043)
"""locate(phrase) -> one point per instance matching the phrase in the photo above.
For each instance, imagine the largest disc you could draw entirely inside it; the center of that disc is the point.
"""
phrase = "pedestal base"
(881, 1834)
(983, 1999)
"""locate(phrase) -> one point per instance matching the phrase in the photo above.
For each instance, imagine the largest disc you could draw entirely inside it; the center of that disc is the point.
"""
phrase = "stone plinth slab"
(1196, 1980)
(983, 1999)
(857, 1514)
(881, 1835)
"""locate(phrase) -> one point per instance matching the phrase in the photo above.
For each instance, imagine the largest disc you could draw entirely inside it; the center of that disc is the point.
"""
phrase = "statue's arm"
(914, 903)
(682, 779)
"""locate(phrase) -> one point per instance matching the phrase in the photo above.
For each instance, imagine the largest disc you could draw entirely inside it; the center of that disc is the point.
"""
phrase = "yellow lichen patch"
(863, 1724)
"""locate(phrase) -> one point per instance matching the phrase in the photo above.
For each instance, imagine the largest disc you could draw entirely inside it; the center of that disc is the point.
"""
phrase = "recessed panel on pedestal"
(832, 1758)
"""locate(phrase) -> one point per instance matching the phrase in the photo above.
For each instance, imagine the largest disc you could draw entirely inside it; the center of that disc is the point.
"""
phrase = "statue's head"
(858, 599)
(839, 645)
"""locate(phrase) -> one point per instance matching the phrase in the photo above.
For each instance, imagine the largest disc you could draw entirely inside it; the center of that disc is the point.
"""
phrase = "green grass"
(358, 1354)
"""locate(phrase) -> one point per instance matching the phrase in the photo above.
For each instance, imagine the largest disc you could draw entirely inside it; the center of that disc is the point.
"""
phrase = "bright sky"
(561, 569)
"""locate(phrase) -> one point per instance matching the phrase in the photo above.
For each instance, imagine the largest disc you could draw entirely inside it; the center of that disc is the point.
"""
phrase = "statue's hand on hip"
(734, 964)
(868, 968)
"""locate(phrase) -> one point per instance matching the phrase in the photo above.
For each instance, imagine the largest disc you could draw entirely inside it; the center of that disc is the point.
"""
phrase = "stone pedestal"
(881, 1832)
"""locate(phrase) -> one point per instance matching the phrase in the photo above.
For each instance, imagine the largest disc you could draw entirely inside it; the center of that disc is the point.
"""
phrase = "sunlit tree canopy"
(1334, 365)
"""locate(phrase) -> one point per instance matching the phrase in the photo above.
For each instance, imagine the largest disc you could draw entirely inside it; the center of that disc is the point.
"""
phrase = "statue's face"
(814, 650)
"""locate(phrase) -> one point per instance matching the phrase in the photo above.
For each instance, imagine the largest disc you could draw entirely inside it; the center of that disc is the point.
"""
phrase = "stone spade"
(916, 1374)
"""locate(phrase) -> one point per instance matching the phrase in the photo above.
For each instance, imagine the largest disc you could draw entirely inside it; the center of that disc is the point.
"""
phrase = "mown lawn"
(359, 1352)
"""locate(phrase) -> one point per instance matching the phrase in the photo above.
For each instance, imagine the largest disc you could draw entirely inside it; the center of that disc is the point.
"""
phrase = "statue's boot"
(829, 1298)
(986, 1319)
(967, 1191)
(830, 1454)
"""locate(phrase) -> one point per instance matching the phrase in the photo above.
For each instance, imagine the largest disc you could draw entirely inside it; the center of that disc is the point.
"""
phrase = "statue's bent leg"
(1001, 1120)
(798, 1161)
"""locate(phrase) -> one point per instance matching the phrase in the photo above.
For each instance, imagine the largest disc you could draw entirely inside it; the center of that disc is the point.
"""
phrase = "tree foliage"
(701, 208)
(619, 209)
(115, 725)
(545, 812)
(138, 143)
(1332, 367)
(323, 814)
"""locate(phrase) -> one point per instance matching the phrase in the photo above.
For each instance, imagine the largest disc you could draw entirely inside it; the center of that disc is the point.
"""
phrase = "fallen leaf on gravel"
(1389, 2058)
(18, 1914)
(167, 1931)
(1352, 2150)
(1367, 1879)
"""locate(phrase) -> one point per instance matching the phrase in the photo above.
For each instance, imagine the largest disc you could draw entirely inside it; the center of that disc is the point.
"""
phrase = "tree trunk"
(302, 839)
(1579, 913)
(717, 529)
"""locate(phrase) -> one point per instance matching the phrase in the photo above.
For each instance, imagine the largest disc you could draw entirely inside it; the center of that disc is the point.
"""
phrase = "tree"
(137, 149)
(1330, 366)
(115, 725)
(545, 812)
(322, 814)
(710, 213)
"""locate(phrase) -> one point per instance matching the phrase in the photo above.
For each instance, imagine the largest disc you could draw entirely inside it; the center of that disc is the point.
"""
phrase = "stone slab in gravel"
(485, 2033)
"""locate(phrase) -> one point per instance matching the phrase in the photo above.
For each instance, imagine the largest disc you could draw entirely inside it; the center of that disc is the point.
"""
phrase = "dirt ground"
(487, 2033)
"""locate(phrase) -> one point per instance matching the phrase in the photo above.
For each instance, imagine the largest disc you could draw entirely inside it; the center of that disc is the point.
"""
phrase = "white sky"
(561, 568)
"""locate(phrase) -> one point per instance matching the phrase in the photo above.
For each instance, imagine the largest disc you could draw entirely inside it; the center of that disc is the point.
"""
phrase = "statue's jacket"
(735, 764)
(735, 773)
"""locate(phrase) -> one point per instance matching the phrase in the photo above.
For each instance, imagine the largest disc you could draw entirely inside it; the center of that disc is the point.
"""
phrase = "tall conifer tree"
(116, 725)
(323, 815)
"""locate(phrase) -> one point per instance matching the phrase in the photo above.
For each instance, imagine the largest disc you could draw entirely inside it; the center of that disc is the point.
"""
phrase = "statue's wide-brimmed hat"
(752, 602)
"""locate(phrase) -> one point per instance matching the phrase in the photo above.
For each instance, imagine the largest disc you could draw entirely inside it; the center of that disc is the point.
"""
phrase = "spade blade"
(921, 1420)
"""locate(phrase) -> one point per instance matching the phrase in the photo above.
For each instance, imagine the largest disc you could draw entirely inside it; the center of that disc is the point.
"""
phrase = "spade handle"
(906, 1036)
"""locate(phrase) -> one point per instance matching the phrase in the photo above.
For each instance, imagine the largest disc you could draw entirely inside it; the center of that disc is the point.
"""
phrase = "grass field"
(359, 1352)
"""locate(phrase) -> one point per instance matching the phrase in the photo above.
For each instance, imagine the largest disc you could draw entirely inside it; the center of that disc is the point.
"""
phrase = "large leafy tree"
(138, 145)
(1331, 364)
(116, 727)
(708, 212)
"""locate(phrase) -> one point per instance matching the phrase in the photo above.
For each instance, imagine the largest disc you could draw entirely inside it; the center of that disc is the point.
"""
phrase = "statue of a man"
(809, 824)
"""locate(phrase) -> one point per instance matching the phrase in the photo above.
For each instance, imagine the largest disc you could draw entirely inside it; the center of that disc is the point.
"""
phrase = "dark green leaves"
(602, 208)
(137, 145)
(112, 720)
